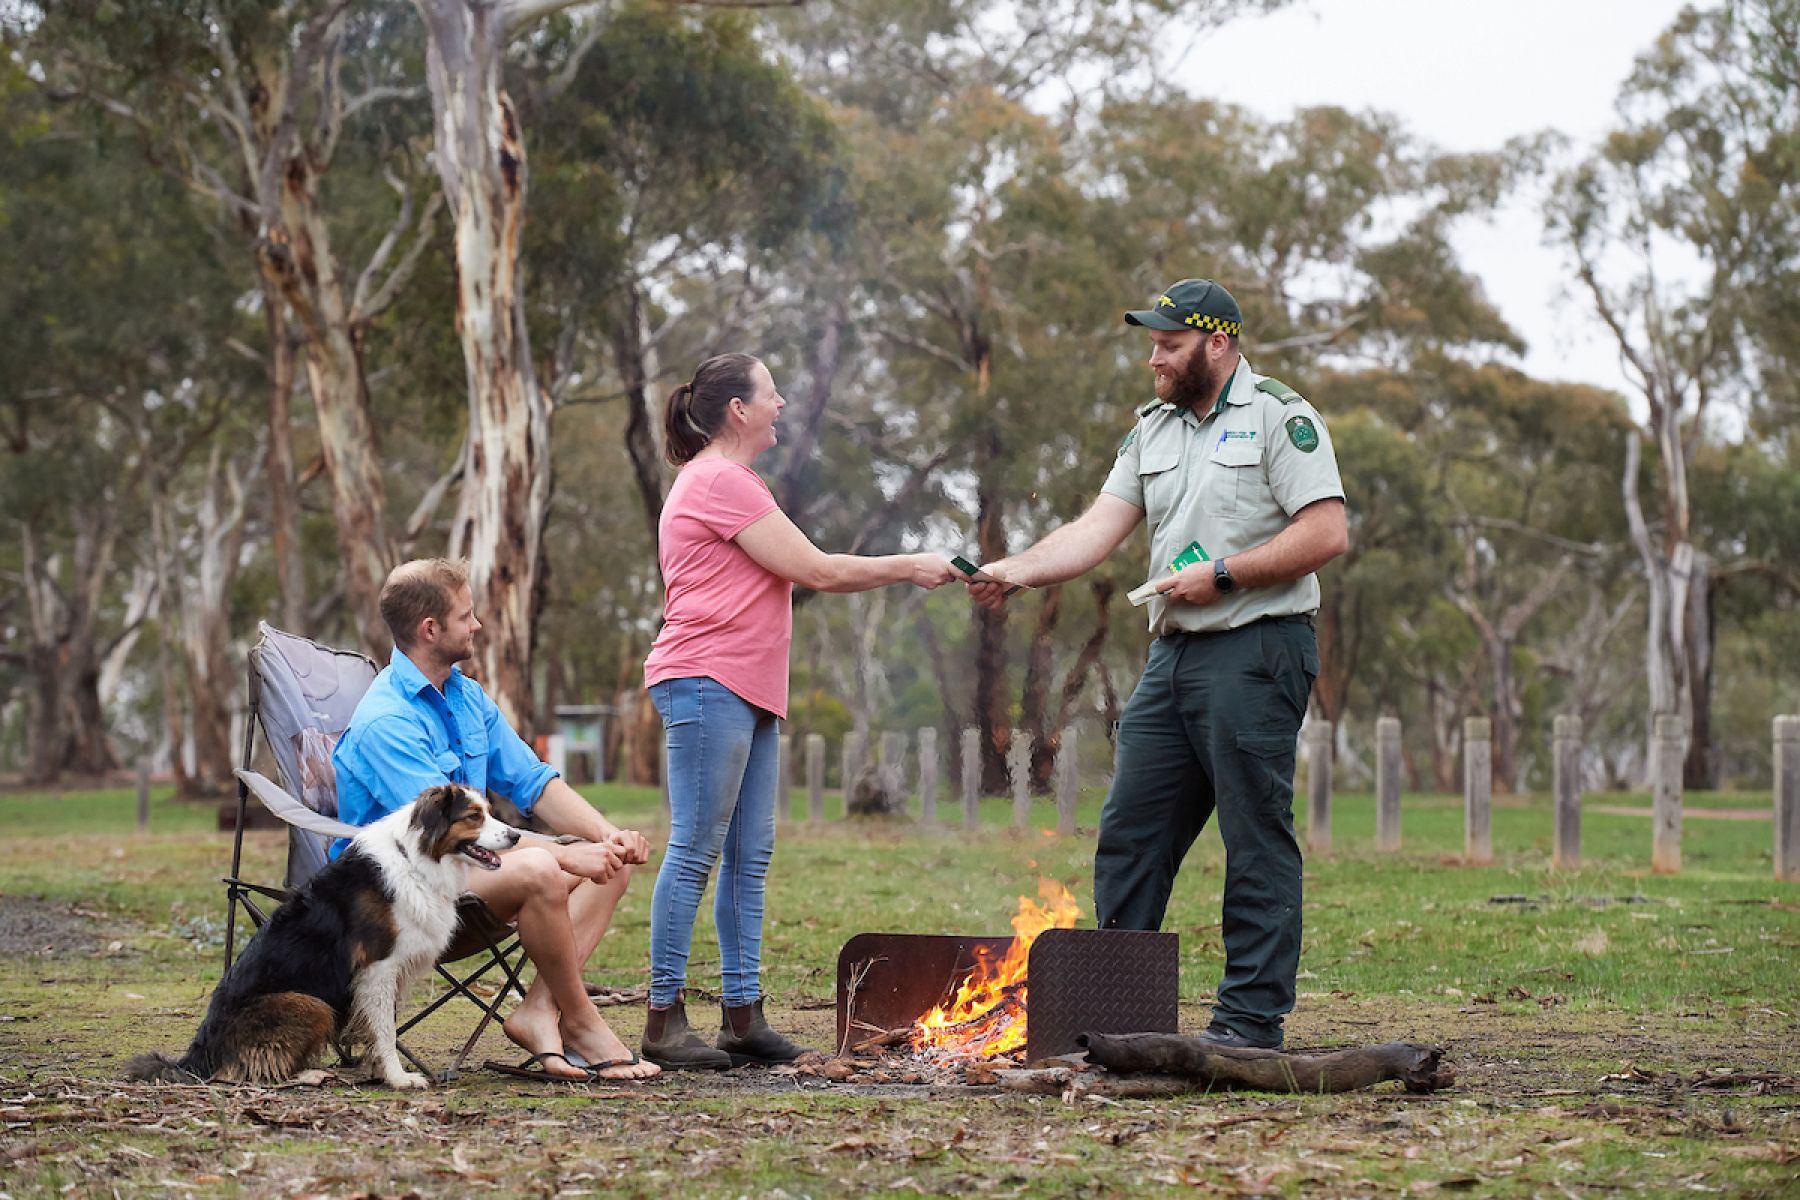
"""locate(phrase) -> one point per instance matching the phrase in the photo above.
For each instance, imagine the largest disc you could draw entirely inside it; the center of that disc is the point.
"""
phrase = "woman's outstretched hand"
(932, 570)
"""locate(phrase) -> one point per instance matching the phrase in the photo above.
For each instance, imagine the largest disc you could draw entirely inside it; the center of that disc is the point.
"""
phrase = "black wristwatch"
(1222, 580)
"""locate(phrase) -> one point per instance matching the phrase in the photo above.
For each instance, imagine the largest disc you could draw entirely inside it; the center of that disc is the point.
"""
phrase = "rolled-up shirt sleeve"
(514, 771)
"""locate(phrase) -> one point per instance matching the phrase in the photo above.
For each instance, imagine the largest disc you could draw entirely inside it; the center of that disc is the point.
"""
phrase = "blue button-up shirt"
(407, 736)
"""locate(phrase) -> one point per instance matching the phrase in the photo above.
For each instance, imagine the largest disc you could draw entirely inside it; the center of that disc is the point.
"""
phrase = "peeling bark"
(480, 156)
(296, 258)
(278, 466)
(218, 526)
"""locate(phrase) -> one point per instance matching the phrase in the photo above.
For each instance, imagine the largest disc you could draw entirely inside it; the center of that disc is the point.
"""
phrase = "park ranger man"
(1236, 474)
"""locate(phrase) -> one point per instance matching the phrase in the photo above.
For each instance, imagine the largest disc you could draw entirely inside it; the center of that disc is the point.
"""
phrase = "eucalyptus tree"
(1484, 529)
(677, 163)
(117, 308)
(481, 163)
(249, 104)
(969, 247)
(1701, 169)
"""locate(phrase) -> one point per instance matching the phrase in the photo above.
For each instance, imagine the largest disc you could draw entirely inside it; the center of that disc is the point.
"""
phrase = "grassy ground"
(1613, 1031)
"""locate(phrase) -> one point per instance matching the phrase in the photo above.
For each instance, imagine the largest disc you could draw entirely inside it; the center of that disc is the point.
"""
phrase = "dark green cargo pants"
(1211, 728)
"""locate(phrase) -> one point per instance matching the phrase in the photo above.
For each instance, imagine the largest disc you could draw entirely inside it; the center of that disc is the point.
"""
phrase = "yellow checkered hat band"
(1214, 324)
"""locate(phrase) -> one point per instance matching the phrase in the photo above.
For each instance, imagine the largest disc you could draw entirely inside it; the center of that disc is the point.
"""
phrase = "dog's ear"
(436, 809)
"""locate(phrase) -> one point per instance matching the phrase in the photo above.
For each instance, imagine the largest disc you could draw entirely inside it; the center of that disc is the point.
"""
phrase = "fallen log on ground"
(1417, 1066)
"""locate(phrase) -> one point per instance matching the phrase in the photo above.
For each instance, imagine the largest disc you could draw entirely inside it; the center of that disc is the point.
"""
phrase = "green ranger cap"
(1191, 304)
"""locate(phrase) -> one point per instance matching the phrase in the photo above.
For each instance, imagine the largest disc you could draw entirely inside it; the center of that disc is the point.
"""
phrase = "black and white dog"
(337, 956)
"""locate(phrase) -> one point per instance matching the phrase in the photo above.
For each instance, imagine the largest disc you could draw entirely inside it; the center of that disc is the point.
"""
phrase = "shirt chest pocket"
(466, 762)
(1233, 478)
(1159, 475)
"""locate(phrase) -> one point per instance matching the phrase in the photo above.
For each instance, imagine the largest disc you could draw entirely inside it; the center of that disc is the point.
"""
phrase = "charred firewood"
(882, 1041)
(1417, 1066)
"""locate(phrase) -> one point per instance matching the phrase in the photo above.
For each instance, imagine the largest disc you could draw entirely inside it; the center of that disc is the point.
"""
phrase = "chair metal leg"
(237, 837)
(501, 955)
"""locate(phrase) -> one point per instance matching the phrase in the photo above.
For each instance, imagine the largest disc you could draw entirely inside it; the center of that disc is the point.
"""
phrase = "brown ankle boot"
(747, 1038)
(671, 1045)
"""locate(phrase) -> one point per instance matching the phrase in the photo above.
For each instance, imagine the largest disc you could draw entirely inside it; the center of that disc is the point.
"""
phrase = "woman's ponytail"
(695, 411)
(682, 438)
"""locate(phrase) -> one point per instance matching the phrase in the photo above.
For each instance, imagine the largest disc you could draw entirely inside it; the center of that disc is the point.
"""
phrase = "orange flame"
(986, 1016)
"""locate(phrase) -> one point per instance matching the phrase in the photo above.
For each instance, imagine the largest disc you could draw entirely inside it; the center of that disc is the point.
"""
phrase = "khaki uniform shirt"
(1230, 479)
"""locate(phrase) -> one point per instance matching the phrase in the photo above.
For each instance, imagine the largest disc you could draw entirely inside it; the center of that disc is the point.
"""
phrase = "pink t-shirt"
(724, 616)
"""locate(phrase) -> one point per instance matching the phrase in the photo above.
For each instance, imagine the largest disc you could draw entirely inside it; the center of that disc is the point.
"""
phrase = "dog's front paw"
(406, 1081)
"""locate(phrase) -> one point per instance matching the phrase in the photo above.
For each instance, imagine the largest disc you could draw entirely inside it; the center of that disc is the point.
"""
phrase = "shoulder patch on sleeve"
(1129, 438)
(1279, 390)
(1303, 434)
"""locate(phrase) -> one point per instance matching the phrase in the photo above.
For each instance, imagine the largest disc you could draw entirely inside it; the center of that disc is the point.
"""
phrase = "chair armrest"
(293, 812)
(289, 810)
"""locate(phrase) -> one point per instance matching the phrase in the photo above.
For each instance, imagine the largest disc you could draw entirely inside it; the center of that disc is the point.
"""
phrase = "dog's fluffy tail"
(159, 1068)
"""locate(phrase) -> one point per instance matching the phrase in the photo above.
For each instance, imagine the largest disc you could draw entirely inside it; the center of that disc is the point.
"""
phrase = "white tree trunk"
(218, 527)
(1669, 571)
(505, 500)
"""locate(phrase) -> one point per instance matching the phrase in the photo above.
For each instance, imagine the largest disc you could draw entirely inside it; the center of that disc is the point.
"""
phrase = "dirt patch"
(34, 927)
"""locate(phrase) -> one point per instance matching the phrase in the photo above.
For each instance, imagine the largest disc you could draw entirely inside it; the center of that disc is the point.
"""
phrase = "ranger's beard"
(1196, 386)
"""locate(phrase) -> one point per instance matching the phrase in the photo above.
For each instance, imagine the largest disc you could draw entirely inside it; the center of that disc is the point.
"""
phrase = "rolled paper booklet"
(979, 576)
(1195, 553)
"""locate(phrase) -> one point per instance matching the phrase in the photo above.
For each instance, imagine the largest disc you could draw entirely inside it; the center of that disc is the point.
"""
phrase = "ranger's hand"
(992, 595)
(1190, 585)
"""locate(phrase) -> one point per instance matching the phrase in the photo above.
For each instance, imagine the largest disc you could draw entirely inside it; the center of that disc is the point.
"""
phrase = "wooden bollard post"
(1318, 785)
(928, 770)
(815, 776)
(1665, 802)
(1387, 783)
(784, 777)
(1565, 769)
(1018, 768)
(971, 778)
(143, 794)
(851, 766)
(1787, 799)
(1478, 790)
(1067, 781)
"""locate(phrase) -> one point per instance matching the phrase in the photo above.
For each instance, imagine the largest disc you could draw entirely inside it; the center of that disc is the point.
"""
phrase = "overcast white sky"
(1464, 75)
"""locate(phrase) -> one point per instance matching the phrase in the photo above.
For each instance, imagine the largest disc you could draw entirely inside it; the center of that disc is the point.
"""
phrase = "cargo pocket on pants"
(1268, 760)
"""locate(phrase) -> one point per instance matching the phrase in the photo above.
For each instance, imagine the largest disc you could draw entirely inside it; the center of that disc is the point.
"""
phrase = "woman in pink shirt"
(718, 674)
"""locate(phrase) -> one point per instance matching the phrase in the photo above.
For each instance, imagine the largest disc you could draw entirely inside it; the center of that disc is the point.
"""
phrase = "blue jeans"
(723, 769)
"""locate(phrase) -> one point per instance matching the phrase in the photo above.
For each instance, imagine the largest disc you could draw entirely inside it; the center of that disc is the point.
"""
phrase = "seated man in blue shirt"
(423, 723)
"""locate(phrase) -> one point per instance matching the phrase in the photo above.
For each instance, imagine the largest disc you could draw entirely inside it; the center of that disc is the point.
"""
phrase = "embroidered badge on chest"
(1300, 431)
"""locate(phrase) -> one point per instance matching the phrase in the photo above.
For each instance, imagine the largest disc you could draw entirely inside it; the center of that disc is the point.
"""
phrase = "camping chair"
(303, 695)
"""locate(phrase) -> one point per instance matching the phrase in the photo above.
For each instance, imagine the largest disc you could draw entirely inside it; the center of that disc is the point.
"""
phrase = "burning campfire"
(987, 1015)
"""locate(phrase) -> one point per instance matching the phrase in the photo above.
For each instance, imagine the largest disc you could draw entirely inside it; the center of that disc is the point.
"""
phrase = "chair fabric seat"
(477, 928)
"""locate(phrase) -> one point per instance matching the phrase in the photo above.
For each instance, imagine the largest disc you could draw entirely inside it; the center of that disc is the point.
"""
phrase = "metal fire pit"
(1081, 981)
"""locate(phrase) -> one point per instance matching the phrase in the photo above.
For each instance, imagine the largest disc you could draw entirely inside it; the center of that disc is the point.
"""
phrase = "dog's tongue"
(486, 859)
